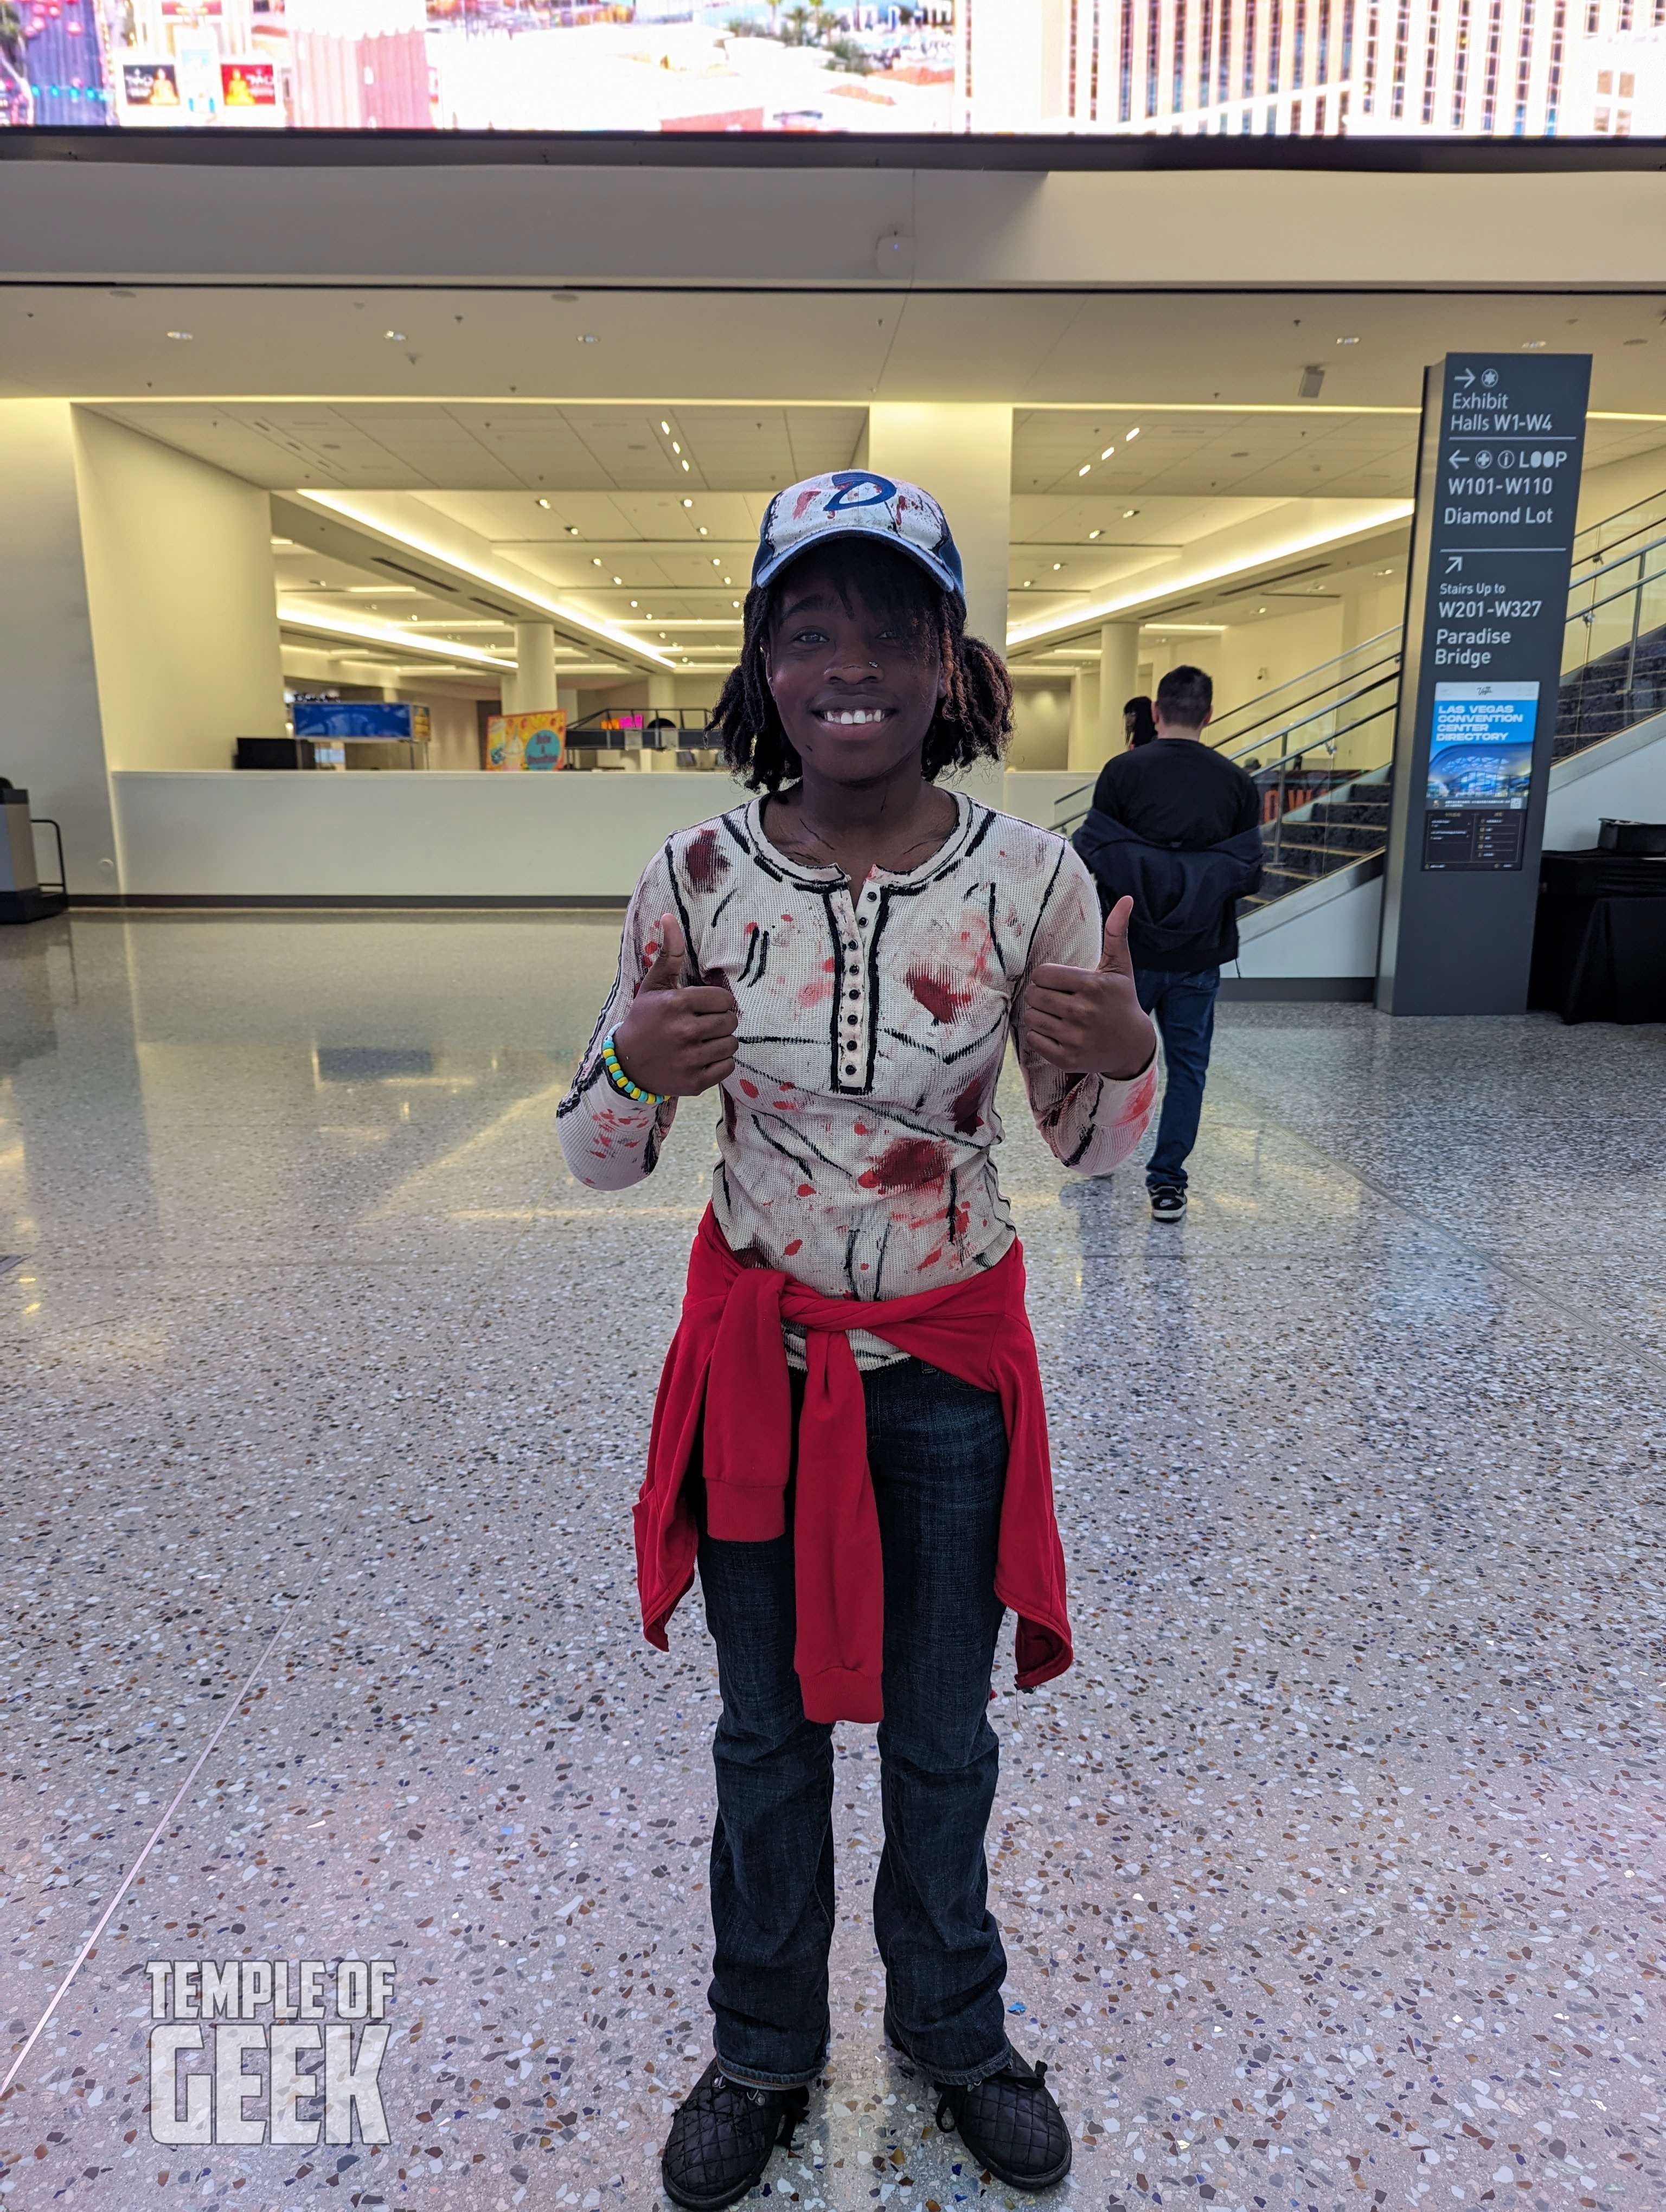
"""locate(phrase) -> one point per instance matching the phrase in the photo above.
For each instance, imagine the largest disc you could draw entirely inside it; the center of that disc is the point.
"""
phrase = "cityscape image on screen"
(1532, 68)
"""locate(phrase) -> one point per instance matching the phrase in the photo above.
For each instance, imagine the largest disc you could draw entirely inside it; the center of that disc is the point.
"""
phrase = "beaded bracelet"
(623, 1084)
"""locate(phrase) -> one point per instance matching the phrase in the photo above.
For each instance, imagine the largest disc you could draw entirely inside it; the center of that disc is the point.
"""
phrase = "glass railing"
(1318, 817)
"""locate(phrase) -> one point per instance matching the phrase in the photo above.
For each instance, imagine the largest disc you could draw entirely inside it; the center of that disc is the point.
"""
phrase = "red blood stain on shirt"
(941, 994)
(788, 1250)
(818, 992)
(807, 1190)
(931, 1258)
(860, 1128)
(966, 1107)
(751, 1089)
(706, 866)
(907, 1163)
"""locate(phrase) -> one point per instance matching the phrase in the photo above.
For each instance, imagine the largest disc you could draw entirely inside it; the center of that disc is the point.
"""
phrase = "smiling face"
(852, 661)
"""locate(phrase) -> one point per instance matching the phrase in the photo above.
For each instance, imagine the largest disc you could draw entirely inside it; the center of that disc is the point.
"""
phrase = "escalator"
(1318, 819)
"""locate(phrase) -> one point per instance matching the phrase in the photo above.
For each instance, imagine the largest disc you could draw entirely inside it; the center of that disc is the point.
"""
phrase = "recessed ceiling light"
(716, 563)
(1128, 513)
(1084, 469)
(704, 532)
(634, 602)
(1107, 453)
(685, 468)
(675, 447)
(586, 337)
(1385, 572)
(1533, 345)
(572, 529)
(180, 335)
(666, 427)
(618, 579)
(1024, 586)
(543, 502)
(1096, 533)
(1347, 341)
(687, 502)
(1057, 565)
(594, 562)
(734, 602)
(729, 579)
(397, 337)
(1133, 433)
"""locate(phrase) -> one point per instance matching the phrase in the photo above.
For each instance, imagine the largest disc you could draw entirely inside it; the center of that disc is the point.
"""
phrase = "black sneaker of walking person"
(1010, 2123)
(1168, 1202)
(722, 2138)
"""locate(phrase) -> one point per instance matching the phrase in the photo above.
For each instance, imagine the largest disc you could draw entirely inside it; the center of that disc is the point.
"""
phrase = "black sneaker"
(1168, 1202)
(1010, 2123)
(722, 2137)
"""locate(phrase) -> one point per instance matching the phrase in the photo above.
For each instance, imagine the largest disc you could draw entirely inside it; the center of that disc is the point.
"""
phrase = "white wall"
(1624, 778)
(179, 570)
(1041, 724)
(50, 738)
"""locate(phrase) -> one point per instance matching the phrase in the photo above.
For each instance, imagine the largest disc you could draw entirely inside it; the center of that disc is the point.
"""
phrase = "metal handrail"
(1318, 667)
(1634, 560)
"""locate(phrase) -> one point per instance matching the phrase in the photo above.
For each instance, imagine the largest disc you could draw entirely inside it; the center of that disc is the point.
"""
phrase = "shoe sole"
(1036, 2183)
(715, 2203)
(1174, 1213)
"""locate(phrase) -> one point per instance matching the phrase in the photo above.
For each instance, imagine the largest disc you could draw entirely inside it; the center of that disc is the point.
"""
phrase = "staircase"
(1317, 820)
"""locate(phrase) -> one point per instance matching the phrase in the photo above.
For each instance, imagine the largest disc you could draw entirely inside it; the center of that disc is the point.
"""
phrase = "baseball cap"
(857, 503)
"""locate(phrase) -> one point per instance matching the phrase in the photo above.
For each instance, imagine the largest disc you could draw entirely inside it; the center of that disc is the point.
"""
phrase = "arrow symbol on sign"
(1466, 377)
(1455, 564)
(1460, 460)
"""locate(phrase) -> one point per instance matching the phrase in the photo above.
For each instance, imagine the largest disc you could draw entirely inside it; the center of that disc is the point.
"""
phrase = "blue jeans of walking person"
(937, 1450)
(1184, 1008)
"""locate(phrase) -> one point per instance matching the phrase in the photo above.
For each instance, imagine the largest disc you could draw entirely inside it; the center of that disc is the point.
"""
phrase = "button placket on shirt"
(855, 923)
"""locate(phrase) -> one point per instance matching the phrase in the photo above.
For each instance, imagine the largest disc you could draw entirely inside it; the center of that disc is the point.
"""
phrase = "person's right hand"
(679, 1038)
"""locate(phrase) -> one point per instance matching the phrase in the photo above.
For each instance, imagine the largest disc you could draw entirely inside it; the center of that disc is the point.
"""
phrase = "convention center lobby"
(375, 543)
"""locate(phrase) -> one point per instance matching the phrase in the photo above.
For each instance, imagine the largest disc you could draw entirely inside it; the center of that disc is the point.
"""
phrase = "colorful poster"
(527, 741)
(150, 84)
(1480, 750)
(248, 84)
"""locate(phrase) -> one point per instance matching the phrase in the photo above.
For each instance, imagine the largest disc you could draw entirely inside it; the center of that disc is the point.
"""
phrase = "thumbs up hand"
(1089, 1021)
(678, 1037)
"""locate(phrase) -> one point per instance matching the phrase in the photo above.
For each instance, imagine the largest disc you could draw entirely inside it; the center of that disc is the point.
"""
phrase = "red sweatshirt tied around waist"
(725, 1390)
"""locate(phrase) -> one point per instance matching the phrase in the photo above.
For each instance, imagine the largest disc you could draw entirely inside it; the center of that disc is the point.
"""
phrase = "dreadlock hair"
(973, 716)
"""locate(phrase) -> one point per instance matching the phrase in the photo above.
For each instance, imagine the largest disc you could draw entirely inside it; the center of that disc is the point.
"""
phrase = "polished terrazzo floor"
(1332, 1875)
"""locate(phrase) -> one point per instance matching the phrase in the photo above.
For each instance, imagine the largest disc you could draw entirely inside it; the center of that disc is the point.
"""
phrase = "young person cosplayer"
(849, 1440)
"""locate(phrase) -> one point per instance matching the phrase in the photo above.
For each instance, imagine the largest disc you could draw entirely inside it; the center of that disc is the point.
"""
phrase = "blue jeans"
(1184, 1008)
(937, 1449)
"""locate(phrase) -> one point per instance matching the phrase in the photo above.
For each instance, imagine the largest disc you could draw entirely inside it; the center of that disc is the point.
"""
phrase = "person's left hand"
(1089, 1021)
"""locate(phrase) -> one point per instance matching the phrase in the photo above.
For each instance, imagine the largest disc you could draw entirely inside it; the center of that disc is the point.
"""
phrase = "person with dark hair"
(1177, 827)
(1139, 723)
(850, 1444)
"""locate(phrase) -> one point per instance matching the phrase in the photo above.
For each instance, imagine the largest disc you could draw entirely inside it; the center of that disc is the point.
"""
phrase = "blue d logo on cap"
(881, 488)
(858, 502)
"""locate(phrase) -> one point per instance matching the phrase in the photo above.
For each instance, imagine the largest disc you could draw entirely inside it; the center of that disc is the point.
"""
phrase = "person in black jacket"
(1176, 826)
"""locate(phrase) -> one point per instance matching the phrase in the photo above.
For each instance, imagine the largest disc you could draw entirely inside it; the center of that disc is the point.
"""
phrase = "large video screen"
(1533, 69)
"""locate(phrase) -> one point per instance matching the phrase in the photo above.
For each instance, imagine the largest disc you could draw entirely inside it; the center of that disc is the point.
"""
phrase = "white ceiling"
(1081, 349)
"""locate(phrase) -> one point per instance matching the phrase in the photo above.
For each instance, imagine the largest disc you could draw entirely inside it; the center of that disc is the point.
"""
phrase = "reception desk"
(269, 838)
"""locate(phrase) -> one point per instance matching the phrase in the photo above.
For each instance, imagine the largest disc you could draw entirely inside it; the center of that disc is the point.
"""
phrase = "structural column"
(532, 688)
(962, 454)
(1119, 677)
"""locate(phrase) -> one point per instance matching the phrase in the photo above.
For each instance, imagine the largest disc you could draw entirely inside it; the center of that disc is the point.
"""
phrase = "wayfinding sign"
(1497, 491)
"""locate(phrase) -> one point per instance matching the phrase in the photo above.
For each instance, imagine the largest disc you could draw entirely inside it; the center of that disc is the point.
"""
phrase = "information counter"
(559, 840)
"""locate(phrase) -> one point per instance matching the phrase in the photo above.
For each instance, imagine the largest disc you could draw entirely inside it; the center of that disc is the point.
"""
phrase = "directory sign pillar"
(1497, 488)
